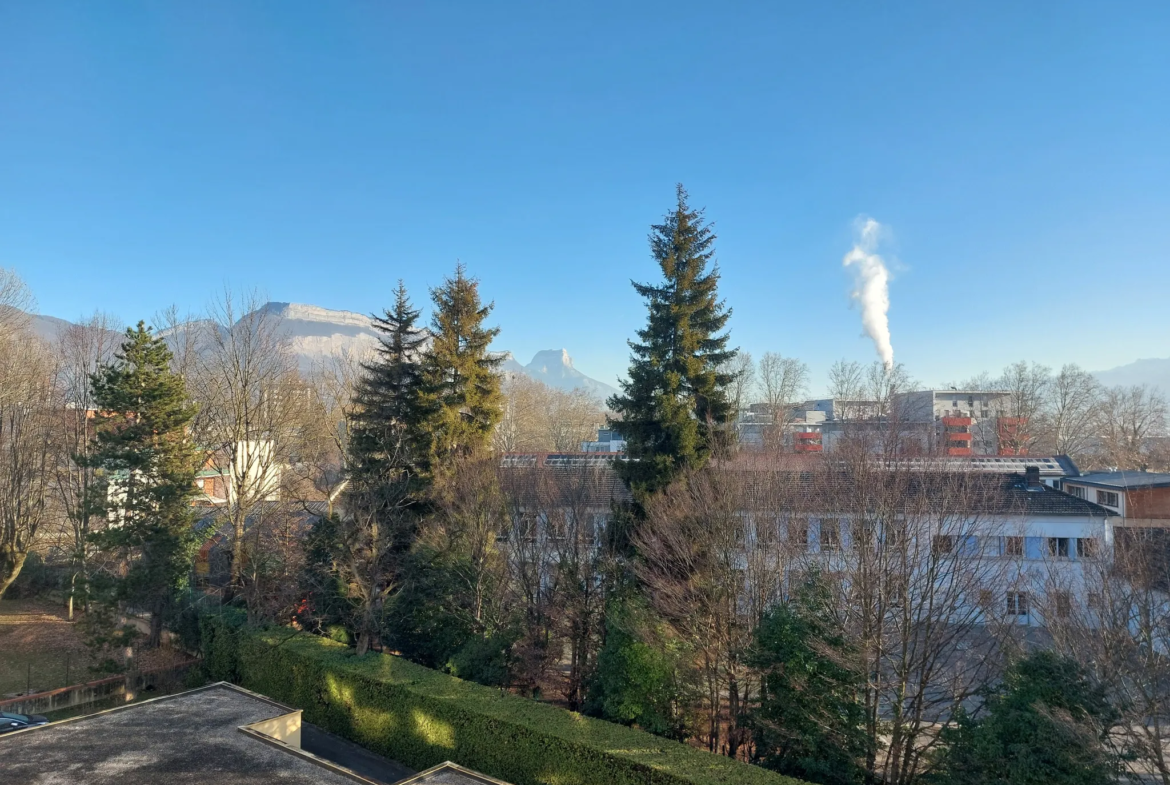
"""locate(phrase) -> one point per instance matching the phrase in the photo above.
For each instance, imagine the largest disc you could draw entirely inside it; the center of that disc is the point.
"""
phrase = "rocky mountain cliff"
(317, 334)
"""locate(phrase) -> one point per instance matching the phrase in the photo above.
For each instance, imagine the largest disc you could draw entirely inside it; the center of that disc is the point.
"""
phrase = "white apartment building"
(1018, 546)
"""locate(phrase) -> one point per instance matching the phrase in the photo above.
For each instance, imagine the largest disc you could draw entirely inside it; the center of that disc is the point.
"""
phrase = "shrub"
(221, 634)
(421, 717)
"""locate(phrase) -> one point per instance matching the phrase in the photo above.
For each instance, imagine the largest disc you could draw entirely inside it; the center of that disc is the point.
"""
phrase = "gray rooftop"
(192, 737)
(1124, 480)
(450, 774)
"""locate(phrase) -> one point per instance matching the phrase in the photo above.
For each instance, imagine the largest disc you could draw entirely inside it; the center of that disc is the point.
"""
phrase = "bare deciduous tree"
(16, 300)
(1028, 390)
(1128, 417)
(1113, 615)
(691, 551)
(846, 386)
(911, 554)
(82, 349)
(249, 400)
(540, 418)
(1073, 400)
(323, 437)
(557, 565)
(782, 382)
(29, 447)
(742, 370)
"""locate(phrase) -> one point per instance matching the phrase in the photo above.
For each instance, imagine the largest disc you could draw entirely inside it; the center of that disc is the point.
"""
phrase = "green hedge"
(421, 717)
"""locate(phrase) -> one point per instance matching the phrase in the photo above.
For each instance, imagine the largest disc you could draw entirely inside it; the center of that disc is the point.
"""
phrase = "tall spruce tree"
(388, 472)
(460, 377)
(387, 427)
(147, 465)
(674, 407)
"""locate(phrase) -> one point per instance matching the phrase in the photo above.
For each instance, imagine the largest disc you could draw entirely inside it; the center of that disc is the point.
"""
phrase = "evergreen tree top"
(140, 385)
(674, 406)
(457, 322)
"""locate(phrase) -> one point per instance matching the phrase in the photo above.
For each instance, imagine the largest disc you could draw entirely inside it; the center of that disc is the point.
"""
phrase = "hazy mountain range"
(317, 334)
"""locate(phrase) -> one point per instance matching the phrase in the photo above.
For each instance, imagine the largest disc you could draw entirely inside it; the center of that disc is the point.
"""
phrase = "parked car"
(10, 722)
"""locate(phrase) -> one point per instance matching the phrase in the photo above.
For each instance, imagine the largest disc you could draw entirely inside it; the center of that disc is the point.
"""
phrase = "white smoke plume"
(871, 287)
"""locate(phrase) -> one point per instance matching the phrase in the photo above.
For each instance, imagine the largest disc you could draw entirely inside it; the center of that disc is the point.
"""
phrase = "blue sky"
(1019, 154)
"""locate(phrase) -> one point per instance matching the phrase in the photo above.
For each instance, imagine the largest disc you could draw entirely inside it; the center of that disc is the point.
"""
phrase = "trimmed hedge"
(421, 717)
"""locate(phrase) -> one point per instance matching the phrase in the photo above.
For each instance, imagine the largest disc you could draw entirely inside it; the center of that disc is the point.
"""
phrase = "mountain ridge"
(316, 334)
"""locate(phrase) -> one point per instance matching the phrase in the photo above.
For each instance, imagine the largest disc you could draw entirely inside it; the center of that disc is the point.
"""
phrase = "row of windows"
(1108, 498)
(950, 544)
(1018, 603)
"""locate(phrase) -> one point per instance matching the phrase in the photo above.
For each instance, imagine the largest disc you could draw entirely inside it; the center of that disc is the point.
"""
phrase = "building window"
(985, 599)
(894, 535)
(830, 534)
(862, 535)
(1077, 491)
(798, 535)
(1108, 498)
(1017, 603)
(1058, 547)
(1013, 546)
(1062, 604)
(1086, 547)
(943, 544)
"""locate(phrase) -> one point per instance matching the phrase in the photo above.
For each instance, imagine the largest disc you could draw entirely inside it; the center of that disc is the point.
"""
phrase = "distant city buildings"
(958, 423)
(608, 440)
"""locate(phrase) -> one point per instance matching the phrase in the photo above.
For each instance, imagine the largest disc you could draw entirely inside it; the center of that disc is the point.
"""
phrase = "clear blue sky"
(1019, 152)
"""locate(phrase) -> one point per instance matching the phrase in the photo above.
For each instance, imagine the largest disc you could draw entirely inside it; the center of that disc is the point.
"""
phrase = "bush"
(421, 717)
(1047, 722)
(639, 678)
(483, 660)
(220, 635)
(35, 579)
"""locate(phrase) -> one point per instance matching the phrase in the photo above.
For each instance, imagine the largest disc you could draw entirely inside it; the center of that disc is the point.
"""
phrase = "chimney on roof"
(1032, 476)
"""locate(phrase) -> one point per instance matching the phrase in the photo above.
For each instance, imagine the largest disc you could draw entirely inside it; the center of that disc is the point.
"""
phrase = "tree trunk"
(236, 566)
(154, 640)
(11, 562)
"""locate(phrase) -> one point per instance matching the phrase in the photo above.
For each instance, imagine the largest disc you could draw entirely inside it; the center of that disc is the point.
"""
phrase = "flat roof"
(1124, 480)
(191, 737)
(449, 773)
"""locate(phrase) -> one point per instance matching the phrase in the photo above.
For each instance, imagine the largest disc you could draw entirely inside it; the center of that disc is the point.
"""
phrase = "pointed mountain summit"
(555, 368)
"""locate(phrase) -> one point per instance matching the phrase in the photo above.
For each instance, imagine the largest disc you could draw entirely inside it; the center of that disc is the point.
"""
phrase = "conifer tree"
(387, 424)
(460, 376)
(674, 407)
(147, 464)
(388, 470)
(809, 722)
(1047, 722)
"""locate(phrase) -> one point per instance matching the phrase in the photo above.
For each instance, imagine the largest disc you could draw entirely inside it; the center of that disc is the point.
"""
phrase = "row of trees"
(823, 622)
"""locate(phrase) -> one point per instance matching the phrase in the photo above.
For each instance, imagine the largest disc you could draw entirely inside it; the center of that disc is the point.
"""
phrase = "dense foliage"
(1046, 724)
(640, 676)
(809, 722)
(148, 464)
(421, 717)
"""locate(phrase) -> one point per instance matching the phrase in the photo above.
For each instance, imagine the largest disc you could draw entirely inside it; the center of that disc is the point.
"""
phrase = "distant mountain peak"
(555, 368)
(547, 358)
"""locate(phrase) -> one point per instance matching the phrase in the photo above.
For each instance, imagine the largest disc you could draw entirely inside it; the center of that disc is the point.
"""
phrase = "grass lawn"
(36, 638)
